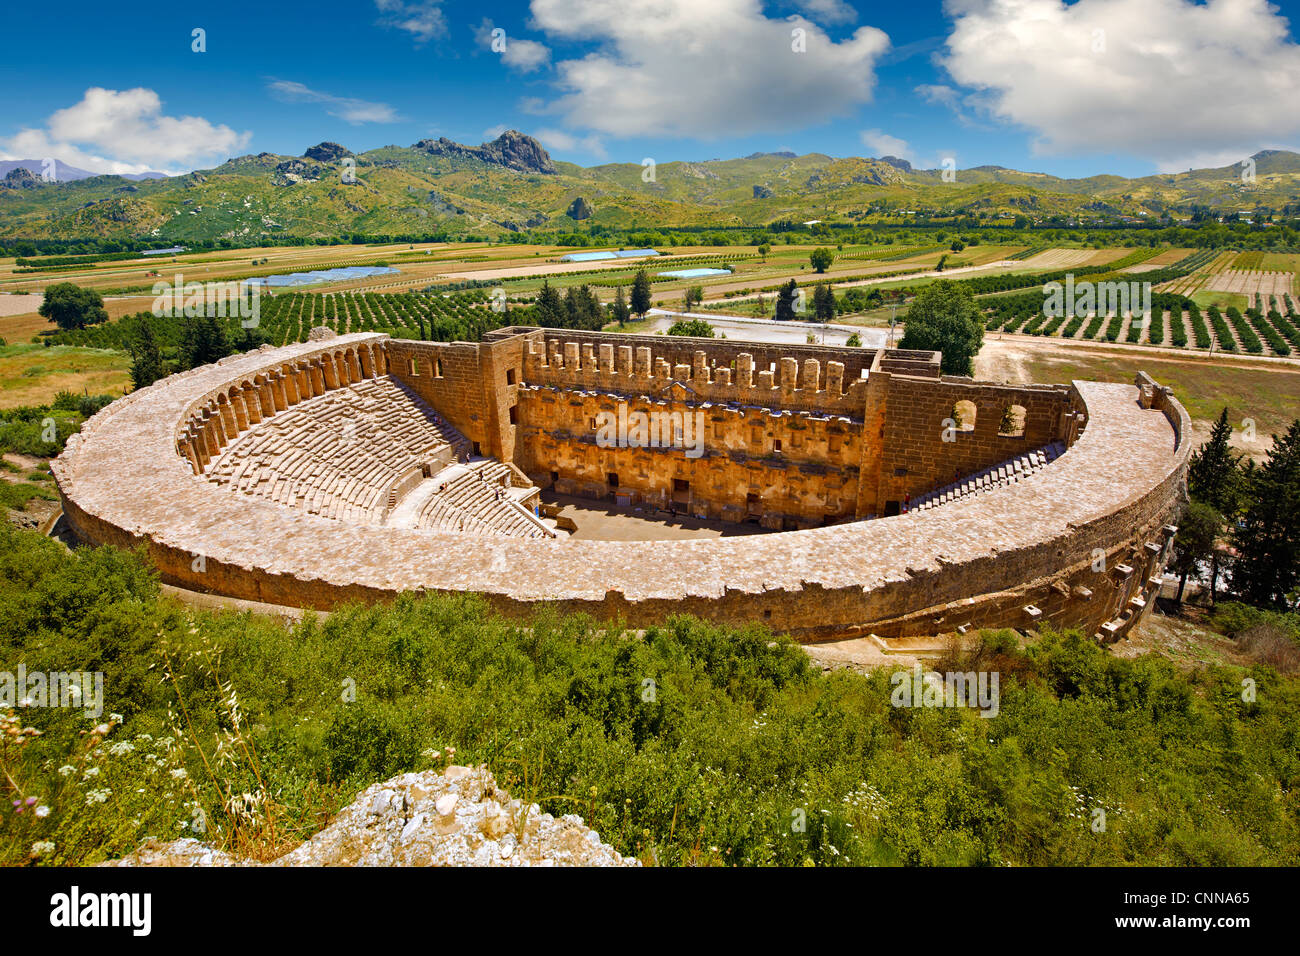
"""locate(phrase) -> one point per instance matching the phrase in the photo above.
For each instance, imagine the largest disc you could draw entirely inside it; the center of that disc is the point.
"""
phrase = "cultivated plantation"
(807, 512)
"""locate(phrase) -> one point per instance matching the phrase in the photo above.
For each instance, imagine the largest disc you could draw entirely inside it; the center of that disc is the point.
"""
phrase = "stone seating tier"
(989, 479)
(470, 504)
(337, 455)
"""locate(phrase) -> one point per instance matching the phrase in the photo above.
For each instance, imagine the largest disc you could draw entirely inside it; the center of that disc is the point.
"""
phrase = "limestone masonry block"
(292, 525)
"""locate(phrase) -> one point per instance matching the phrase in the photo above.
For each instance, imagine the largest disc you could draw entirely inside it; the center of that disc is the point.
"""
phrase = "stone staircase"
(480, 499)
(996, 476)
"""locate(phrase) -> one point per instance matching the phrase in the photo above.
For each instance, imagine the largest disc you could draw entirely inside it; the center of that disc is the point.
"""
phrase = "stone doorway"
(681, 492)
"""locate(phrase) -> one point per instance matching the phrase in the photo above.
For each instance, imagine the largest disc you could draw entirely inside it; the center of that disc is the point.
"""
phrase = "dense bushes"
(688, 743)
(41, 430)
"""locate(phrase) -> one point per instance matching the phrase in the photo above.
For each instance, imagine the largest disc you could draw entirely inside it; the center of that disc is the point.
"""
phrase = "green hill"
(511, 184)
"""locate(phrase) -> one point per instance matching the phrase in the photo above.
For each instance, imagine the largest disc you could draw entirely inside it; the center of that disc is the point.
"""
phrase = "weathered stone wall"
(786, 470)
(473, 385)
(798, 379)
(1074, 544)
(922, 446)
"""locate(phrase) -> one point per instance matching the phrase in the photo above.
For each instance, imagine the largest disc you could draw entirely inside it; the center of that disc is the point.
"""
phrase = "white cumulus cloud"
(882, 144)
(518, 54)
(568, 142)
(703, 68)
(125, 131)
(1173, 81)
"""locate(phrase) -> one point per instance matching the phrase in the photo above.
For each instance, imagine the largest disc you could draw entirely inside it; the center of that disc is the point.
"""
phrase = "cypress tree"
(785, 301)
(641, 293)
(1266, 571)
(146, 357)
(621, 312)
(824, 302)
(1214, 478)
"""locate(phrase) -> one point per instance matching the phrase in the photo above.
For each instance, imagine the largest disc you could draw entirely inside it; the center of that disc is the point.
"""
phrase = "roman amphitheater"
(885, 498)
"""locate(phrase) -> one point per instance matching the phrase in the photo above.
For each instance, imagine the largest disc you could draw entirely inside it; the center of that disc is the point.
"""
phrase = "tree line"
(1242, 520)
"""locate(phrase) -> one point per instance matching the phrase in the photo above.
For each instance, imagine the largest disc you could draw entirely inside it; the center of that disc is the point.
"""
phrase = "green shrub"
(688, 742)
(1231, 618)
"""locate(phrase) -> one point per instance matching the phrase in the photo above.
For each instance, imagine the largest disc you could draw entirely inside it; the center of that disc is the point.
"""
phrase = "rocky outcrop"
(459, 817)
(511, 149)
(327, 152)
(532, 222)
(762, 192)
(580, 209)
(122, 209)
(20, 177)
(443, 205)
(296, 171)
(900, 164)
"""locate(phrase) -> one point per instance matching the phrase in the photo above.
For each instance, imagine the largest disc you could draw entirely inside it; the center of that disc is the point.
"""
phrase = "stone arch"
(964, 413)
(228, 418)
(252, 401)
(235, 396)
(330, 369)
(262, 389)
(1013, 421)
(289, 378)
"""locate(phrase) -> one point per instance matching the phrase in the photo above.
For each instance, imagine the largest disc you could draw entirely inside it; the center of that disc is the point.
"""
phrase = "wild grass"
(688, 743)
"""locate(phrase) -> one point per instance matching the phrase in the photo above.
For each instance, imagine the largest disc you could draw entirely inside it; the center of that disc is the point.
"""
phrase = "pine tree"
(1214, 473)
(785, 301)
(1266, 570)
(824, 302)
(1198, 534)
(549, 308)
(641, 293)
(582, 309)
(203, 340)
(621, 312)
(1215, 478)
(146, 357)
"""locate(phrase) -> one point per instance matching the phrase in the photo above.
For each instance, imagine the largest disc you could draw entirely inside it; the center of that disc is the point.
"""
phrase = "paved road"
(772, 332)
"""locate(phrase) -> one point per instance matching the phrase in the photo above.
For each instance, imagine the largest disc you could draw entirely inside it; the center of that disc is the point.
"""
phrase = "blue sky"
(1121, 86)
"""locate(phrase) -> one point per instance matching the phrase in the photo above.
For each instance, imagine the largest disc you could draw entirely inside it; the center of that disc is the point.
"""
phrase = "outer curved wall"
(1076, 544)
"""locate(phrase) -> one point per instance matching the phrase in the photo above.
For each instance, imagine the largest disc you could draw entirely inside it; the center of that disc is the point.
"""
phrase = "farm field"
(1165, 257)
(1252, 283)
(289, 316)
(1267, 394)
(33, 374)
(1198, 305)
(1264, 323)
